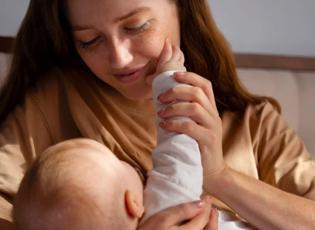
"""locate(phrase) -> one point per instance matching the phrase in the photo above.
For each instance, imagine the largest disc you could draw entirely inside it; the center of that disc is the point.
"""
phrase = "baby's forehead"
(91, 175)
(97, 161)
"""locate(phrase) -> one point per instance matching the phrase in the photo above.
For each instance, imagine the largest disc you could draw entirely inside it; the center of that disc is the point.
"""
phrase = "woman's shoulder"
(256, 121)
(254, 112)
(264, 117)
(262, 108)
(262, 112)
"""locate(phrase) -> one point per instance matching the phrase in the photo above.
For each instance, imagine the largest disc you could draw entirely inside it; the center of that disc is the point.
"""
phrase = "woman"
(81, 68)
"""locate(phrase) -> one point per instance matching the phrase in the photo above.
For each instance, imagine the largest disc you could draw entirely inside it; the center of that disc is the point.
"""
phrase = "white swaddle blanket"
(177, 174)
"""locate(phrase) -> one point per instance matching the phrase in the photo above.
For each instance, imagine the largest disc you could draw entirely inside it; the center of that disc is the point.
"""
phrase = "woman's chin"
(138, 95)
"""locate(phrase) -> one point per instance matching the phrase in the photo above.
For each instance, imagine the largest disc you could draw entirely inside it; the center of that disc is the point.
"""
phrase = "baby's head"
(79, 184)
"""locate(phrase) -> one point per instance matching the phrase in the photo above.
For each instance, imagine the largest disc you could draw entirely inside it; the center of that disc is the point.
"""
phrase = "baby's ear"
(133, 205)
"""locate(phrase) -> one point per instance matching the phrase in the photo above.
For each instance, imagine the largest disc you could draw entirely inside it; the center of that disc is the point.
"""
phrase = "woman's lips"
(130, 75)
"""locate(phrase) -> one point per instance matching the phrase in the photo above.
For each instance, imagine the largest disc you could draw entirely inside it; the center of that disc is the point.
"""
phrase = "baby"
(77, 185)
(60, 190)
(81, 184)
(177, 171)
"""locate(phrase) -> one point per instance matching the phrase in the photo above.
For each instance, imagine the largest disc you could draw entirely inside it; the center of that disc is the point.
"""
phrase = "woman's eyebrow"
(121, 18)
(80, 28)
(130, 14)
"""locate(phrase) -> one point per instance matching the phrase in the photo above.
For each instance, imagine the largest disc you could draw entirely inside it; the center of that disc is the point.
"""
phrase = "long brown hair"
(44, 42)
(208, 54)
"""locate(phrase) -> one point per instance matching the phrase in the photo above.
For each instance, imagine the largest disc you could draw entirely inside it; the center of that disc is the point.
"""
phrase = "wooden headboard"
(243, 60)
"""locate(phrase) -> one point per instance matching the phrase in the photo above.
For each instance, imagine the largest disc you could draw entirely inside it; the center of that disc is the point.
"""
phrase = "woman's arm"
(261, 204)
(285, 200)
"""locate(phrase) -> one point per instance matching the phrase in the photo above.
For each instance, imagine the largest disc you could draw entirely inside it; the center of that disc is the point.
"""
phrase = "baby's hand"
(171, 58)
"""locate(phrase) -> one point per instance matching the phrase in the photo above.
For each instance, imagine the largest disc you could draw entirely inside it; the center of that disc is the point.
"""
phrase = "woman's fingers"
(209, 140)
(184, 212)
(214, 220)
(193, 110)
(197, 81)
(201, 221)
(184, 93)
(173, 217)
(201, 134)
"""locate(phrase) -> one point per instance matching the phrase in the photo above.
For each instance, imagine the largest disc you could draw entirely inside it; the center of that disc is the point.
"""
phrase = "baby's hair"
(51, 196)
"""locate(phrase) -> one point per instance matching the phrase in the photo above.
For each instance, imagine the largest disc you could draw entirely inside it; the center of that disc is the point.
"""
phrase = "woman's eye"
(137, 29)
(89, 43)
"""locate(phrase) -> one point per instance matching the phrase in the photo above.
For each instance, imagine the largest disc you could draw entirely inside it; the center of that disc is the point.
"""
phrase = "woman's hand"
(188, 216)
(205, 126)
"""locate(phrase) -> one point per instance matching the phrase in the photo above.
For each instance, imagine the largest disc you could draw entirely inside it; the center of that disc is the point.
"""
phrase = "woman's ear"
(133, 205)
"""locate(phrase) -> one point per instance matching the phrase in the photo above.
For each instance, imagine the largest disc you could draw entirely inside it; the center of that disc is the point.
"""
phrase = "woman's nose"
(120, 54)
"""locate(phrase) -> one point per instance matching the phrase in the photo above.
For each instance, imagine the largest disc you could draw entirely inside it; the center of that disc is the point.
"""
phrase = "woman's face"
(120, 40)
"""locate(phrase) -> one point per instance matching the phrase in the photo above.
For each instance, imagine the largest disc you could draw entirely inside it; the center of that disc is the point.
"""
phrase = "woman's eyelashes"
(139, 28)
(133, 30)
(89, 43)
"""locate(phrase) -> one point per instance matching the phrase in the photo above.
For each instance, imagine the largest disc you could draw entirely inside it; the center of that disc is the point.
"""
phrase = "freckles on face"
(151, 44)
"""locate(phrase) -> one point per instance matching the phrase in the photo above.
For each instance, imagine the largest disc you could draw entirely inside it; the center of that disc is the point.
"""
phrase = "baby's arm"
(177, 171)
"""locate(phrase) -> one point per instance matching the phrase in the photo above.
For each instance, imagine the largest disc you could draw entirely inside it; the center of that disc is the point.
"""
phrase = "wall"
(263, 26)
(268, 26)
(11, 14)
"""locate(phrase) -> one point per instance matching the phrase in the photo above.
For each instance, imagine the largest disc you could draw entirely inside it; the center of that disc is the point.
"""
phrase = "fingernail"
(215, 212)
(160, 113)
(179, 73)
(200, 204)
(161, 97)
(162, 123)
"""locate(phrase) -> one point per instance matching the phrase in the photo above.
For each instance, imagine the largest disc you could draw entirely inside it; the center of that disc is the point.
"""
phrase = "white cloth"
(177, 174)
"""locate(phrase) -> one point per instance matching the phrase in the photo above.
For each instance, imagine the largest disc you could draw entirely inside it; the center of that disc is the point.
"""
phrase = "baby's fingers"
(178, 55)
(166, 53)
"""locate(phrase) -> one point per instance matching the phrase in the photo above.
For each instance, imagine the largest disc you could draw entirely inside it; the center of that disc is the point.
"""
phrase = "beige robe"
(257, 143)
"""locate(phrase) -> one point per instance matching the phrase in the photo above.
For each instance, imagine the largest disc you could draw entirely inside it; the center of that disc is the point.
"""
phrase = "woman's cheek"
(97, 63)
(152, 43)
(92, 60)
